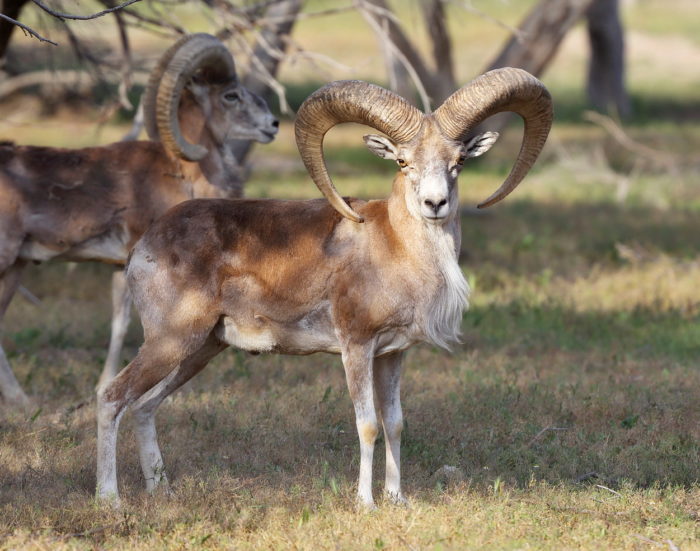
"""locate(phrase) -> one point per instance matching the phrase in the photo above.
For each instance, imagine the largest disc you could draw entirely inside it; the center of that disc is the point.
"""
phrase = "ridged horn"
(349, 101)
(201, 51)
(506, 89)
(151, 92)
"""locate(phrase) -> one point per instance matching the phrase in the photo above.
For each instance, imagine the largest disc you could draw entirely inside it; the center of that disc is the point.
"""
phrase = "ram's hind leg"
(9, 387)
(144, 411)
(159, 356)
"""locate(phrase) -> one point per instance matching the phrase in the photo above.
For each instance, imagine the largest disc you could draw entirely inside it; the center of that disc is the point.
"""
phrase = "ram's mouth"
(268, 135)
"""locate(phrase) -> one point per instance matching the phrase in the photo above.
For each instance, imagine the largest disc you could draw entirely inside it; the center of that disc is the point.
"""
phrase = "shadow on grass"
(527, 237)
(536, 329)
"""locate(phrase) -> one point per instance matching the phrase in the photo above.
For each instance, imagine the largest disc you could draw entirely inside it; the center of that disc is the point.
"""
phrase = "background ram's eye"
(402, 163)
(232, 97)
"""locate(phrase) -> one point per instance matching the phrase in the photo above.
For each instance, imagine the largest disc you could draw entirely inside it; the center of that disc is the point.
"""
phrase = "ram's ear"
(200, 91)
(480, 144)
(381, 146)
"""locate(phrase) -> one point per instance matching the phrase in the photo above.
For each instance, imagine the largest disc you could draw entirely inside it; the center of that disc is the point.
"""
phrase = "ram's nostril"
(442, 203)
(276, 123)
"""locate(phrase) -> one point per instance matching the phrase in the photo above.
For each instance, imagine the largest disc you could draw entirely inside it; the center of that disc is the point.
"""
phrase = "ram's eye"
(232, 97)
(461, 160)
(402, 163)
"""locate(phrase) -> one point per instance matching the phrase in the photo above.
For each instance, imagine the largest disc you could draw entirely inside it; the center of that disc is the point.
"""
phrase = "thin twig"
(29, 296)
(647, 540)
(158, 23)
(265, 75)
(137, 124)
(366, 10)
(468, 6)
(127, 70)
(621, 137)
(313, 57)
(27, 30)
(618, 494)
(62, 16)
(546, 429)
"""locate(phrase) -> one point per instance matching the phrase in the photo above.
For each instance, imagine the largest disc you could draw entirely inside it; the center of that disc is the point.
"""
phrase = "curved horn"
(201, 51)
(500, 90)
(151, 92)
(349, 101)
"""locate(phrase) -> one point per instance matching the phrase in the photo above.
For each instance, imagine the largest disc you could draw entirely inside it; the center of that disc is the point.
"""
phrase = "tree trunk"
(534, 45)
(10, 8)
(606, 67)
(444, 77)
(540, 35)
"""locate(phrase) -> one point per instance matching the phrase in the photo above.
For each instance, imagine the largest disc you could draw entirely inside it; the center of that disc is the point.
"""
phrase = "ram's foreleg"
(357, 361)
(387, 375)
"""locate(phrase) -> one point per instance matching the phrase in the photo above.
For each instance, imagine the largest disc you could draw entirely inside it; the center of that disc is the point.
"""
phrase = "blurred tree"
(606, 68)
(540, 34)
(264, 23)
(532, 46)
(12, 9)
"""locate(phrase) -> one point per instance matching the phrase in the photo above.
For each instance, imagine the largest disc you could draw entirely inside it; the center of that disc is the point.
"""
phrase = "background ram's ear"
(381, 146)
(200, 91)
(480, 144)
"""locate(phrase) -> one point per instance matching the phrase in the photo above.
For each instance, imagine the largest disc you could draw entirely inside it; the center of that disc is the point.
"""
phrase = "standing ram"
(95, 203)
(297, 277)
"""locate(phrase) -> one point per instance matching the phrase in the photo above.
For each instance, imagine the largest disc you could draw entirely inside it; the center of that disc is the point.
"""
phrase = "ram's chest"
(439, 315)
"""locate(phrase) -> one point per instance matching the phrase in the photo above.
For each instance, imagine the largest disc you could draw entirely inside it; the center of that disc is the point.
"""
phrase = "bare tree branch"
(541, 33)
(621, 137)
(66, 78)
(137, 124)
(27, 30)
(157, 23)
(396, 44)
(384, 35)
(62, 16)
(380, 12)
(11, 9)
(468, 6)
(276, 26)
(127, 69)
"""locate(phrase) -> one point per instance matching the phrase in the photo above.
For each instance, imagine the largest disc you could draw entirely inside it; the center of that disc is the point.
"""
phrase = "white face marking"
(434, 195)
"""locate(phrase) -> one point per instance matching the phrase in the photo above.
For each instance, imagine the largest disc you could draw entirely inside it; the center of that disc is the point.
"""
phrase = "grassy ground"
(572, 409)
